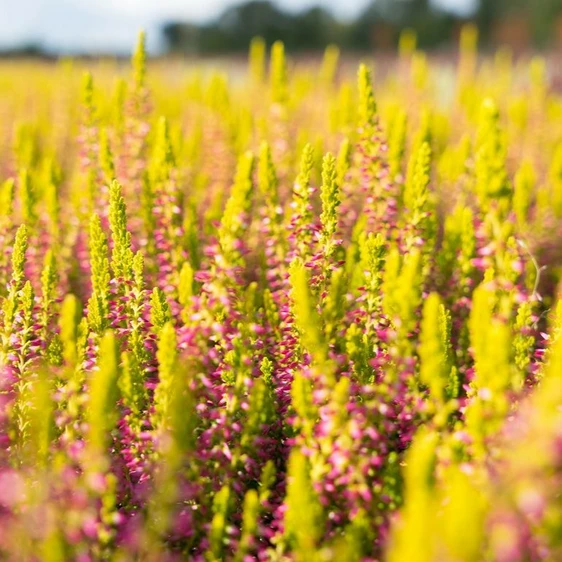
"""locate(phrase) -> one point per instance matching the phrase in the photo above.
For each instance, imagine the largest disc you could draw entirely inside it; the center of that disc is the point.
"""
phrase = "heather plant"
(300, 312)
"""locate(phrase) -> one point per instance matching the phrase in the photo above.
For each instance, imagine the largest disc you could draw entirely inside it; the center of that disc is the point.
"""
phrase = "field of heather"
(293, 311)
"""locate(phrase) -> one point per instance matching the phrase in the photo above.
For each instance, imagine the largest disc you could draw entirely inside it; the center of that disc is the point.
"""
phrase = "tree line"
(534, 22)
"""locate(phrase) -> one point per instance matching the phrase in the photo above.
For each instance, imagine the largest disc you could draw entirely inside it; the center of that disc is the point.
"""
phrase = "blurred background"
(215, 27)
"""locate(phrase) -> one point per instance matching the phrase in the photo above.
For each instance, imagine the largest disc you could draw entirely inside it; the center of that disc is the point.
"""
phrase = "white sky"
(83, 25)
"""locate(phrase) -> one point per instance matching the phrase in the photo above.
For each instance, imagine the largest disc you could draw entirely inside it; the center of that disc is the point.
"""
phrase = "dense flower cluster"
(288, 316)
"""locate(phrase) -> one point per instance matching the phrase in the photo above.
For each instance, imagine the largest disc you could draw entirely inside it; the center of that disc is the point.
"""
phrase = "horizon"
(82, 26)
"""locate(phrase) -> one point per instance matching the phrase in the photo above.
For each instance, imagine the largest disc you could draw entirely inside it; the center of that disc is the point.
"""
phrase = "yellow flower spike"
(490, 154)
(121, 254)
(367, 108)
(167, 356)
(555, 176)
(88, 98)
(343, 161)
(304, 518)
(163, 158)
(267, 178)
(25, 149)
(420, 71)
(329, 66)
(330, 196)
(407, 43)
(70, 315)
(435, 366)
(139, 62)
(106, 157)
(18, 257)
(416, 187)
(221, 509)
(39, 394)
(160, 313)
(233, 224)
(185, 289)
(257, 60)
(461, 520)
(343, 109)
(415, 534)
(304, 311)
(250, 522)
(28, 197)
(278, 76)
(491, 342)
(7, 193)
(396, 132)
(468, 46)
(101, 414)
